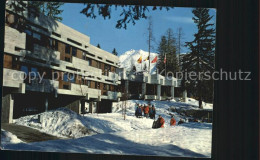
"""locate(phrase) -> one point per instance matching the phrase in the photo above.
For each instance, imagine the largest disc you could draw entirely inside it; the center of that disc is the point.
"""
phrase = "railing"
(44, 85)
(82, 65)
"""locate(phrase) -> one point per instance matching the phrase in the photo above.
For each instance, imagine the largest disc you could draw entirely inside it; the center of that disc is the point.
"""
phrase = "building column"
(126, 86)
(46, 104)
(143, 89)
(184, 96)
(172, 92)
(7, 109)
(159, 92)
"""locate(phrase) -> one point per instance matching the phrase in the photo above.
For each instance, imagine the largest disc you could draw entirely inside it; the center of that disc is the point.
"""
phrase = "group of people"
(146, 110)
(159, 123)
(150, 111)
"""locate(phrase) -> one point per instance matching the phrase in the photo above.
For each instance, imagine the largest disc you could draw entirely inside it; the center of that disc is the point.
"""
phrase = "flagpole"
(141, 64)
(165, 64)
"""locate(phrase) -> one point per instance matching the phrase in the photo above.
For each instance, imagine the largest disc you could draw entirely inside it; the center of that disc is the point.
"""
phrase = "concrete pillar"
(46, 104)
(7, 109)
(159, 92)
(172, 91)
(126, 86)
(184, 96)
(143, 89)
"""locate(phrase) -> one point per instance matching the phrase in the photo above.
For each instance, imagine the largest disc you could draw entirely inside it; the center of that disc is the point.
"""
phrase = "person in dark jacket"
(138, 112)
(152, 112)
(181, 121)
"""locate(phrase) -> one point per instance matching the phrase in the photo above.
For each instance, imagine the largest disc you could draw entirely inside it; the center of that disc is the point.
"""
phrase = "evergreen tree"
(98, 45)
(162, 49)
(167, 47)
(50, 9)
(114, 52)
(201, 57)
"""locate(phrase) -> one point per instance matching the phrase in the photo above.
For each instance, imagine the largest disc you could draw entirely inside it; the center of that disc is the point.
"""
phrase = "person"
(160, 122)
(152, 112)
(181, 121)
(173, 121)
(146, 111)
(138, 112)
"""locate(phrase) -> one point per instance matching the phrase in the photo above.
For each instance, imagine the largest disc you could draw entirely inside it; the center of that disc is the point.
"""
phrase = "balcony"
(42, 53)
(14, 79)
(113, 95)
(84, 66)
(45, 85)
(150, 97)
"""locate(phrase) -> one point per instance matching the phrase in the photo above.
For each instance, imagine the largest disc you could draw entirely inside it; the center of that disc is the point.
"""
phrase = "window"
(67, 59)
(65, 77)
(34, 72)
(84, 56)
(97, 85)
(36, 36)
(104, 87)
(56, 34)
(67, 49)
(24, 69)
(88, 83)
(71, 77)
(75, 42)
(53, 44)
(74, 51)
(28, 32)
(66, 86)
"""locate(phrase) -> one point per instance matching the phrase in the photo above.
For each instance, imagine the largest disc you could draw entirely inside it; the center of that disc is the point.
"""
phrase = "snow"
(111, 134)
(8, 138)
(61, 123)
(129, 59)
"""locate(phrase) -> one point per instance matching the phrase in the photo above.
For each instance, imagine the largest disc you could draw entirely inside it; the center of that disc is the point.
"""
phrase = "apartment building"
(49, 65)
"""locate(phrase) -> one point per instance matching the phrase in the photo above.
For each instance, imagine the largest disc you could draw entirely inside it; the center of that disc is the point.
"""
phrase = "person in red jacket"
(173, 121)
(146, 111)
(160, 122)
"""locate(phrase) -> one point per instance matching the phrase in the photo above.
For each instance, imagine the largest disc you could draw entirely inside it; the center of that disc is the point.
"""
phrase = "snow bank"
(8, 138)
(61, 123)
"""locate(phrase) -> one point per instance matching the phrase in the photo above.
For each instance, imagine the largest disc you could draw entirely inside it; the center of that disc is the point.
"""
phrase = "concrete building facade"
(147, 86)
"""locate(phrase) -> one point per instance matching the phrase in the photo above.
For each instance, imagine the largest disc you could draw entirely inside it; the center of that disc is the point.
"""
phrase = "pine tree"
(162, 49)
(167, 47)
(50, 9)
(114, 52)
(98, 45)
(201, 57)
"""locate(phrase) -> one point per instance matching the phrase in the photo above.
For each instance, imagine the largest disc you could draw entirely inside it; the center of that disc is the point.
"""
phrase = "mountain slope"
(129, 59)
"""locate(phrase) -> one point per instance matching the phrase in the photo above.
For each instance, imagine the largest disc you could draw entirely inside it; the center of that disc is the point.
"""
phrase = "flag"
(154, 60)
(140, 60)
(147, 58)
(164, 59)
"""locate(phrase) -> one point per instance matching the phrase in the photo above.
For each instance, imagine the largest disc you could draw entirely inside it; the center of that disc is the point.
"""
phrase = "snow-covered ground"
(129, 59)
(110, 134)
(61, 122)
(8, 138)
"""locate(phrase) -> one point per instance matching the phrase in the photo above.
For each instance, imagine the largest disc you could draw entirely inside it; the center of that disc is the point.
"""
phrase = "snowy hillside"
(111, 134)
(129, 59)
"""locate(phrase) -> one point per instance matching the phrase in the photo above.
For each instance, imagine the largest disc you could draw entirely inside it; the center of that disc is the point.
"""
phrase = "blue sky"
(135, 37)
